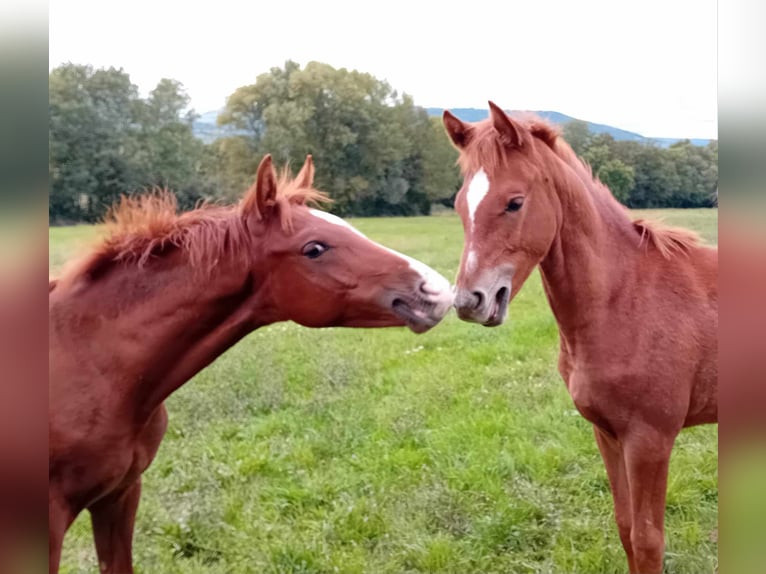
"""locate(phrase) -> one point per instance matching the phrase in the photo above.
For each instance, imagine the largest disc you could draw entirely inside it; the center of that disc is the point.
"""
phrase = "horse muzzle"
(425, 309)
(489, 307)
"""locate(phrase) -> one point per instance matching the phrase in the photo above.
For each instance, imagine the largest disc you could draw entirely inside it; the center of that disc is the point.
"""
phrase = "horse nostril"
(478, 299)
(502, 295)
(427, 289)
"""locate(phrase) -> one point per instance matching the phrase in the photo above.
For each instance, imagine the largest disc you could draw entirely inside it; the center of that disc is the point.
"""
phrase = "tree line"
(376, 152)
(642, 175)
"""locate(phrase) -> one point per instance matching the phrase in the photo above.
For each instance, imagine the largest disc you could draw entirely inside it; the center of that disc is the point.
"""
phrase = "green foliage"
(164, 149)
(697, 168)
(232, 163)
(578, 136)
(440, 170)
(377, 153)
(618, 177)
(91, 117)
(641, 176)
(381, 451)
(106, 141)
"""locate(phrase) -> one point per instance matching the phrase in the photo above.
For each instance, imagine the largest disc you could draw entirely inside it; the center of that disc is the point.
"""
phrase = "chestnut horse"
(636, 304)
(164, 296)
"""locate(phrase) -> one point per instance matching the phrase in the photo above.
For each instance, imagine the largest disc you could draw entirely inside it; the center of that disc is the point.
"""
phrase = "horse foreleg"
(60, 517)
(113, 520)
(611, 452)
(647, 456)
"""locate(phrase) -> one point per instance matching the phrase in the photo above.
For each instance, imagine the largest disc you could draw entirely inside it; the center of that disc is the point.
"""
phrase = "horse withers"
(166, 294)
(636, 304)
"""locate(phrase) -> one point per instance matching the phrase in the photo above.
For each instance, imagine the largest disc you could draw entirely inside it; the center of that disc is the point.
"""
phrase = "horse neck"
(172, 322)
(590, 258)
(202, 324)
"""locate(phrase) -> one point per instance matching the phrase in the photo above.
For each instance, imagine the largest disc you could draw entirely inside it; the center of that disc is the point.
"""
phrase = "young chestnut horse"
(636, 305)
(164, 296)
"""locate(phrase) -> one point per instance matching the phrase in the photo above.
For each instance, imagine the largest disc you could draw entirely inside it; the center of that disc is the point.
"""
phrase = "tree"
(377, 152)
(697, 169)
(245, 107)
(440, 172)
(618, 177)
(230, 165)
(577, 135)
(367, 140)
(164, 151)
(90, 122)
(656, 179)
(596, 156)
(106, 141)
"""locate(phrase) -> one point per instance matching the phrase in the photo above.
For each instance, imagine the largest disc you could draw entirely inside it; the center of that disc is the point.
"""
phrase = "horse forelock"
(486, 149)
(290, 193)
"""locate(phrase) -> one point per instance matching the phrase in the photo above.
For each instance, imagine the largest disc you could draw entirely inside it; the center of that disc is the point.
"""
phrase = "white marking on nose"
(477, 190)
(433, 282)
(470, 262)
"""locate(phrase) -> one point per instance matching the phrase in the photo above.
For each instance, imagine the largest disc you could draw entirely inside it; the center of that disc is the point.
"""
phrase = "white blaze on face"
(470, 262)
(330, 218)
(477, 191)
(434, 283)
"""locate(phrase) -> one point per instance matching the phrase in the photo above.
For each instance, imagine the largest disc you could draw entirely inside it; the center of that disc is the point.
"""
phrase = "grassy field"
(382, 451)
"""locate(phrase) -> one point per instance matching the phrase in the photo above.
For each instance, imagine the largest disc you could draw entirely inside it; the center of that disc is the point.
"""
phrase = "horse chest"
(583, 396)
(141, 449)
(146, 444)
(593, 399)
(110, 462)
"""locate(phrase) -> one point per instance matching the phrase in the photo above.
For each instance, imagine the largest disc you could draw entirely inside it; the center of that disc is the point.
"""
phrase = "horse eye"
(515, 204)
(314, 249)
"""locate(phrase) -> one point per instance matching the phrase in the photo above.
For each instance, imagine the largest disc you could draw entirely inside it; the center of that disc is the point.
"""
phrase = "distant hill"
(475, 115)
(206, 129)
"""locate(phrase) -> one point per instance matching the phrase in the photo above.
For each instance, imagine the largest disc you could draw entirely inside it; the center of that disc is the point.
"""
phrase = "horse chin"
(414, 314)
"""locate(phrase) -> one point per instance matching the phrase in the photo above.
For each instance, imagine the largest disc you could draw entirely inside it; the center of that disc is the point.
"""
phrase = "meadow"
(381, 451)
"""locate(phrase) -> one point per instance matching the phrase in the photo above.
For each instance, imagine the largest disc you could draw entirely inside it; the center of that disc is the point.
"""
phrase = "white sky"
(647, 66)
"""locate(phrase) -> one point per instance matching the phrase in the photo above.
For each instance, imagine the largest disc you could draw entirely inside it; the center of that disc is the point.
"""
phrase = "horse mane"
(668, 240)
(143, 226)
(485, 149)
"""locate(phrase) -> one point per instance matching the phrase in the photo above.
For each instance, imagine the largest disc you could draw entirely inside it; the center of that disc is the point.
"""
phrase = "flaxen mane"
(143, 226)
(486, 150)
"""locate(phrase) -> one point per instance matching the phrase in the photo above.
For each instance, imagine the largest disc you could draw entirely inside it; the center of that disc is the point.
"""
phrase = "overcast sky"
(647, 66)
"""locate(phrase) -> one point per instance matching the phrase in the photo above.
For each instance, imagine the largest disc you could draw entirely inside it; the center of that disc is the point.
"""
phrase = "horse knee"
(648, 545)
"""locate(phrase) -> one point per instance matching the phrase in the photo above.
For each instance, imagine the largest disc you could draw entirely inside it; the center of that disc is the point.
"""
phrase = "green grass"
(381, 451)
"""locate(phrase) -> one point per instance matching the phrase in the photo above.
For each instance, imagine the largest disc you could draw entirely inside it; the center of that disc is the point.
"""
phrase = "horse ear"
(459, 132)
(510, 132)
(305, 177)
(263, 193)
